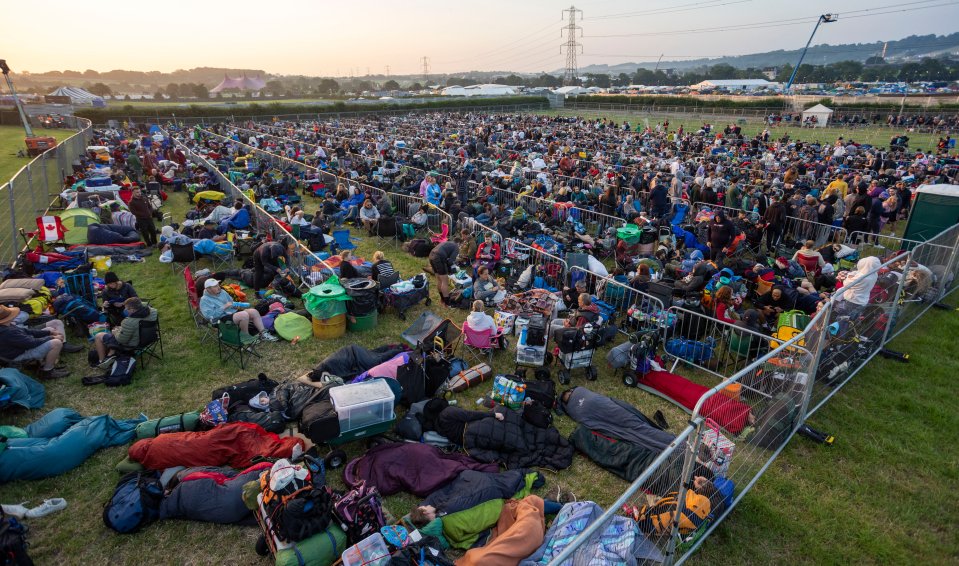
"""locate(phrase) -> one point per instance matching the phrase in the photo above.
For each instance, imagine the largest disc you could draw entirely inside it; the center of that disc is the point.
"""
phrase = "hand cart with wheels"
(576, 349)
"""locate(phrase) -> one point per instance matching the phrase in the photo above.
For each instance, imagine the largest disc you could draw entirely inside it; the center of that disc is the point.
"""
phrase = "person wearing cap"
(122, 217)
(217, 305)
(127, 333)
(208, 230)
(113, 295)
(21, 344)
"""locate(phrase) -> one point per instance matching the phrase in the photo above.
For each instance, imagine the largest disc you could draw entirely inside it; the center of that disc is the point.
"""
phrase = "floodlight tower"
(823, 19)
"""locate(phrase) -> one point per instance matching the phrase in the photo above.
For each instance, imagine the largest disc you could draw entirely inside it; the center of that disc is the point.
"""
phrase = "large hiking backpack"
(658, 518)
(135, 502)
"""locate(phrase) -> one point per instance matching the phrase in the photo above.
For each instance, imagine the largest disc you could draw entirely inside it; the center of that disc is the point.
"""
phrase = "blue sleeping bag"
(21, 389)
(60, 441)
(105, 234)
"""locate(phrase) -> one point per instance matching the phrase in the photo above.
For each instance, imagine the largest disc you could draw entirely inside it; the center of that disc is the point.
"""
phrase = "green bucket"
(361, 323)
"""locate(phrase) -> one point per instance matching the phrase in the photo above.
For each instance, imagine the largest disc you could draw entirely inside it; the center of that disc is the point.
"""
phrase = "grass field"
(881, 495)
(11, 141)
(874, 135)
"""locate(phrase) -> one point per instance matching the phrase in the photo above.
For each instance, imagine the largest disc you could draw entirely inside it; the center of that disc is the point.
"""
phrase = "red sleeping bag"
(728, 413)
(230, 444)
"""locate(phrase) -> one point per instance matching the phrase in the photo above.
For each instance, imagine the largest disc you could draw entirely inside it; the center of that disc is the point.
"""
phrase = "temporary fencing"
(768, 387)
(534, 266)
(630, 309)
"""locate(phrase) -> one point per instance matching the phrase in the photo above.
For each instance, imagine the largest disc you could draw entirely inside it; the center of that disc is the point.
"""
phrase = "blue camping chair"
(343, 241)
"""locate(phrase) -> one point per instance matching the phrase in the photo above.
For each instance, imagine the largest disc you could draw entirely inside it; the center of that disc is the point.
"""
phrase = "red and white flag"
(51, 229)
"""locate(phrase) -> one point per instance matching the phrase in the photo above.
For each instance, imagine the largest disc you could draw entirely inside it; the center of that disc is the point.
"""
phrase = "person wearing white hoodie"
(478, 320)
(857, 285)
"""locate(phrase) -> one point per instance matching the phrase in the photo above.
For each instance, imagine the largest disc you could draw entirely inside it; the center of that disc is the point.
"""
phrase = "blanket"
(353, 360)
(230, 444)
(624, 459)
(60, 441)
(615, 418)
(518, 533)
(415, 468)
(211, 495)
(728, 413)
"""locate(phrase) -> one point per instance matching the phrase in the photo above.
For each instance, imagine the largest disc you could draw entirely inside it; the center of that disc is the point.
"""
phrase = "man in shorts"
(442, 260)
(21, 344)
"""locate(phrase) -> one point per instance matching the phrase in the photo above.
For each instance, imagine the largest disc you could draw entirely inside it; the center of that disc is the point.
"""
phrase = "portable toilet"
(934, 209)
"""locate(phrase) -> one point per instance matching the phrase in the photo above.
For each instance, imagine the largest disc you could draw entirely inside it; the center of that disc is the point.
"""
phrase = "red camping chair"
(442, 236)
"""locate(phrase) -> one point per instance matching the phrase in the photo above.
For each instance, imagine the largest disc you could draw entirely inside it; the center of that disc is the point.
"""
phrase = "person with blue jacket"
(239, 220)
(217, 305)
(433, 194)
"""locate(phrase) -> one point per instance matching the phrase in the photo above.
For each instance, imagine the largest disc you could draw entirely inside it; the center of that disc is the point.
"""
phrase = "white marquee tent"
(821, 113)
(78, 95)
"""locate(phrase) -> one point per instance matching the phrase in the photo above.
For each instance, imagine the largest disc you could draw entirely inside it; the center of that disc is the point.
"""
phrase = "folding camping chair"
(343, 241)
(183, 256)
(480, 345)
(150, 340)
(442, 236)
(229, 343)
(193, 302)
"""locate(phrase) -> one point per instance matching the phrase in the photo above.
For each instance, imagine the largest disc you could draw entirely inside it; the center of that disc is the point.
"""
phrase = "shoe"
(73, 348)
(660, 420)
(247, 339)
(47, 507)
(107, 362)
(266, 335)
(18, 511)
(53, 373)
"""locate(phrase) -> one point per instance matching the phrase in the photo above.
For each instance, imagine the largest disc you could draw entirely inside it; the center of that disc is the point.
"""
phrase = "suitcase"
(470, 377)
(319, 422)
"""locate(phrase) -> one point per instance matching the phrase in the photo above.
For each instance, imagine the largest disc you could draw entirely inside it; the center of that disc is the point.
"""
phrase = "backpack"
(658, 518)
(77, 308)
(359, 511)
(135, 502)
(121, 372)
(537, 414)
(542, 390)
(458, 298)
(13, 541)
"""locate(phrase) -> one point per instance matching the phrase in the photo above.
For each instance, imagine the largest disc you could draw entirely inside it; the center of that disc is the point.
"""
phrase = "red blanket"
(728, 413)
(231, 444)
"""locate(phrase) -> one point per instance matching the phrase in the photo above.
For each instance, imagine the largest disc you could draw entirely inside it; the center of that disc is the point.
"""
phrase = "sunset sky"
(332, 38)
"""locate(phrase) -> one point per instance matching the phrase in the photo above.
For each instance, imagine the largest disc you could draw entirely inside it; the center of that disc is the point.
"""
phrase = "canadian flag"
(51, 229)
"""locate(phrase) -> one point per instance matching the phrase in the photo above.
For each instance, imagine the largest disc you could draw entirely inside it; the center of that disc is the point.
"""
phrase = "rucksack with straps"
(360, 512)
(13, 542)
(135, 502)
(658, 518)
(121, 372)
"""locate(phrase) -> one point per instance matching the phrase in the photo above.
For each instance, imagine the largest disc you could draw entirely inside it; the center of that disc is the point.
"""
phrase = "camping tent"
(79, 96)
(821, 113)
(76, 220)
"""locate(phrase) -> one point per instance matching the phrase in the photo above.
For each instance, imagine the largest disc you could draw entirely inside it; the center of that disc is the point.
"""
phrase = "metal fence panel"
(522, 259)
(924, 278)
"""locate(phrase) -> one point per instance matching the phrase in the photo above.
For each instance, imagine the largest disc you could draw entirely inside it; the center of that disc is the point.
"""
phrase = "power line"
(669, 10)
(571, 45)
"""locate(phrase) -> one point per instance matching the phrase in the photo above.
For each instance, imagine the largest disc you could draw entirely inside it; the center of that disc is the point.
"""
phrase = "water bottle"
(242, 305)
(93, 273)
(522, 336)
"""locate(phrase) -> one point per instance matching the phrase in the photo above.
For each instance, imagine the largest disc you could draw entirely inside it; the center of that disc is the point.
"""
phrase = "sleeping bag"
(211, 495)
(518, 533)
(60, 441)
(385, 369)
(615, 418)
(471, 488)
(105, 234)
(620, 541)
(415, 468)
(231, 444)
(728, 413)
(21, 389)
(352, 360)
(624, 459)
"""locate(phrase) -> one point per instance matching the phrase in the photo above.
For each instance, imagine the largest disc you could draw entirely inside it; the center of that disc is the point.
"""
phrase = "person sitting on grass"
(369, 215)
(217, 305)
(347, 269)
(383, 271)
(126, 334)
(486, 289)
(21, 344)
(489, 252)
(420, 218)
(468, 248)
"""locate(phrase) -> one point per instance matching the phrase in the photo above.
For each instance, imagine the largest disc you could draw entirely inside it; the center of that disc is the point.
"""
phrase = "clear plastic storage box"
(371, 551)
(359, 405)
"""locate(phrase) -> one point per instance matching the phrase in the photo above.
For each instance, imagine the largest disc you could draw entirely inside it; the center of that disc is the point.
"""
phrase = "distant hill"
(210, 76)
(911, 48)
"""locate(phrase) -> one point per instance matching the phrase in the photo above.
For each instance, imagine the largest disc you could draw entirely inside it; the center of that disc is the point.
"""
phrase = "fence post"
(950, 267)
(13, 221)
(689, 464)
(46, 176)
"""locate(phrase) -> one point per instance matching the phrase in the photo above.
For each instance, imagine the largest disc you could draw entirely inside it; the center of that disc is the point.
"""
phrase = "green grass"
(880, 495)
(874, 135)
(11, 141)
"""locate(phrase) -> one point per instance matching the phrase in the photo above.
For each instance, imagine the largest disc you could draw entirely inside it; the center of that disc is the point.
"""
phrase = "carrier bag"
(794, 318)
(509, 391)
(716, 450)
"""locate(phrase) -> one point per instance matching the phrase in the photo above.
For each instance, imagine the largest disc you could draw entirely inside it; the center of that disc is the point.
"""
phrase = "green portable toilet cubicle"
(934, 208)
